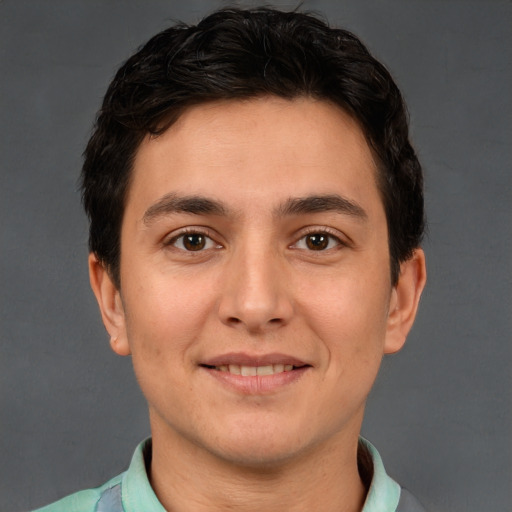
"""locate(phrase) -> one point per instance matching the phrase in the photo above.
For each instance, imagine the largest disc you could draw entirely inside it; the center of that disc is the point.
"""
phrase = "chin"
(257, 456)
(259, 447)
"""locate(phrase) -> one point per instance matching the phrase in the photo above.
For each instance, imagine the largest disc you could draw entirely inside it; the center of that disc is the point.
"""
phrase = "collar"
(384, 492)
(137, 494)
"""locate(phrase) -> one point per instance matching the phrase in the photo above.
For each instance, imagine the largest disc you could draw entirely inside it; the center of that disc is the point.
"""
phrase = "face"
(255, 279)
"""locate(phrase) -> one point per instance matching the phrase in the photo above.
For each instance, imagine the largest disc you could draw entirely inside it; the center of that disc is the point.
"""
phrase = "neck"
(186, 477)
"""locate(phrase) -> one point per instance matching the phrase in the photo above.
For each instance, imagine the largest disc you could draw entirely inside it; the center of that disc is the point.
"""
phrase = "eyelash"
(322, 232)
(209, 240)
(172, 242)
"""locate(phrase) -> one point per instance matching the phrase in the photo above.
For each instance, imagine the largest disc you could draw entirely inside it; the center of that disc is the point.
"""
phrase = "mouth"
(255, 374)
(251, 371)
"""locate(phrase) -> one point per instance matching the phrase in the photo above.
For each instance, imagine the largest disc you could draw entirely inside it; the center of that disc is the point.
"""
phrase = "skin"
(258, 287)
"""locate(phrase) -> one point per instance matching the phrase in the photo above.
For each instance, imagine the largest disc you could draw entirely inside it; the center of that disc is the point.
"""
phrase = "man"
(256, 215)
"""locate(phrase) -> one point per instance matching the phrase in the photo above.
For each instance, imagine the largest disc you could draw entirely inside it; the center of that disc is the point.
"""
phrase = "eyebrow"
(321, 203)
(199, 205)
(173, 203)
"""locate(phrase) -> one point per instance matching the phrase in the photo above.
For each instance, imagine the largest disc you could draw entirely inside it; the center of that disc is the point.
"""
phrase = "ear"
(405, 298)
(111, 306)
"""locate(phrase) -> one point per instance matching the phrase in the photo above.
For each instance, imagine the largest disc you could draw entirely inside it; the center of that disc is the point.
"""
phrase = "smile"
(251, 371)
(255, 374)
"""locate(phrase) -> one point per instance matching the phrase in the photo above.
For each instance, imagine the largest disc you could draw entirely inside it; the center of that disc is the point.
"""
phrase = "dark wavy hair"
(234, 54)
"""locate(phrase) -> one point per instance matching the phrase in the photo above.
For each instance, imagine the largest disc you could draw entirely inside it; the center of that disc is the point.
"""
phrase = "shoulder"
(384, 494)
(408, 503)
(82, 501)
(132, 485)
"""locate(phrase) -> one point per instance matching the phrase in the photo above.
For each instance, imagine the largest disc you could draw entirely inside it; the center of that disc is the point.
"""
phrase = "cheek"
(349, 314)
(164, 317)
(162, 324)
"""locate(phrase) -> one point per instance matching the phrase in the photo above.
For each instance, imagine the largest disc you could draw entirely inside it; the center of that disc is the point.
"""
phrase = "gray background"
(71, 412)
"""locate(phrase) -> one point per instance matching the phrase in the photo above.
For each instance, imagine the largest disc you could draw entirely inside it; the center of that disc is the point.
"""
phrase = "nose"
(255, 292)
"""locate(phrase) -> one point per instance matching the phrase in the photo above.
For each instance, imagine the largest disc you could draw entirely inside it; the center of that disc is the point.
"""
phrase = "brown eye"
(317, 241)
(194, 242)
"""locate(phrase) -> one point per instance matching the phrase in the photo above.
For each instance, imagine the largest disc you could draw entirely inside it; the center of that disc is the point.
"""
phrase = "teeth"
(248, 371)
(265, 370)
(234, 368)
(251, 371)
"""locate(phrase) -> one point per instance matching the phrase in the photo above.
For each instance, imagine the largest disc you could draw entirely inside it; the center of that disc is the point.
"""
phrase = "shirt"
(131, 491)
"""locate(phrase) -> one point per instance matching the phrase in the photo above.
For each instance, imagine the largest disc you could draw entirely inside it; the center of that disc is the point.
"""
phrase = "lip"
(243, 359)
(257, 384)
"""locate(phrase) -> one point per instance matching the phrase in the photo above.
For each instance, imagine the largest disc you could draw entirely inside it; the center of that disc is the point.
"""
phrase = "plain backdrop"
(71, 412)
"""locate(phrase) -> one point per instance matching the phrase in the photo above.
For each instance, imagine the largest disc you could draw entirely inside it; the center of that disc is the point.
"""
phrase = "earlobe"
(404, 301)
(120, 346)
(110, 304)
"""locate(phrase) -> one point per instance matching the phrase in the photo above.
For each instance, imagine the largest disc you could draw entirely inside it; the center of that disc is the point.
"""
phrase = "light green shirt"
(138, 496)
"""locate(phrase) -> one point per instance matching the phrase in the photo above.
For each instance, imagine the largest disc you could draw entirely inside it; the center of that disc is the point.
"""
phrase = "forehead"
(255, 150)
